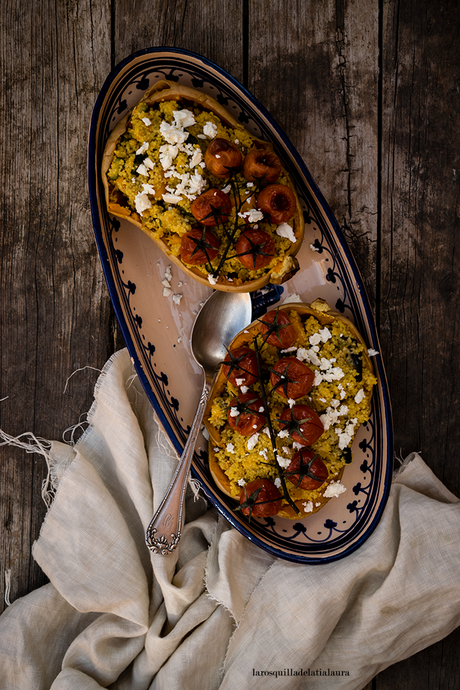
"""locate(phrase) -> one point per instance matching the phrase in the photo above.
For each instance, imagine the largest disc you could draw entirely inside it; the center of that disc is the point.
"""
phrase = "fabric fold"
(219, 612)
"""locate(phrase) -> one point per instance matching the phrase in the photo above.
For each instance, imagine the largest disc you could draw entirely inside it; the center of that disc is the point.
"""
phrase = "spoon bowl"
(223, 315)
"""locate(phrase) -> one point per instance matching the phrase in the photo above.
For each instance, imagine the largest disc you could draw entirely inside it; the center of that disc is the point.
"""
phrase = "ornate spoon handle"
(165, 528)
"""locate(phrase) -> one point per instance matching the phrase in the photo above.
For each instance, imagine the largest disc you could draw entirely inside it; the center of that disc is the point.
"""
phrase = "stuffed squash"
(284, 409)
(210, 195)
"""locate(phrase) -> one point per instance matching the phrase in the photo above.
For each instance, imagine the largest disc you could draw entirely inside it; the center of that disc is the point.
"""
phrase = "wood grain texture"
(367, 90)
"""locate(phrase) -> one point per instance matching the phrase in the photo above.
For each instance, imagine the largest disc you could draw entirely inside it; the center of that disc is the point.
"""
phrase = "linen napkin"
(218, 612)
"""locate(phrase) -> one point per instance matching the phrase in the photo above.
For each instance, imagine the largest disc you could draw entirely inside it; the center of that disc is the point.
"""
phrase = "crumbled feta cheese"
(285, 230)
(183, 118)
(325, 334)
(307, 507)
(252, 441)
(167, 292)
(142, 202)
(244, 389)
(291, 403)
(371, 352)
(142, 170)
(147, 121)
(171, 198)
(334, 489)
(284, 433)
(239, 382)
(253, 215)
(172, 134)
(196, 158)
(315, 249)
(282, 461)
(148, 188)
(241, 482)
(230, 448)
(277, 482)
(227, 189)
(148, 163)
(263, 453)
(359, 397)
(212, 279)
(143, 148)
(210, 130)
(177, 298)
(233, 412)
(166, 283)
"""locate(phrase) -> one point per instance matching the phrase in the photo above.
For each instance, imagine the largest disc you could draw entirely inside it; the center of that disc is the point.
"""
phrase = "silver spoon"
(222, 316)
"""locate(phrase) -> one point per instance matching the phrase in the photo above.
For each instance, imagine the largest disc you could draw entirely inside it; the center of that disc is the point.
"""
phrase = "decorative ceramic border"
(344, 523)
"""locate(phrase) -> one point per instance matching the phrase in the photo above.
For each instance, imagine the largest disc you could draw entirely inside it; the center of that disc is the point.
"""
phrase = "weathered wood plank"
(55, 311)
(316, 70)
(420, 261)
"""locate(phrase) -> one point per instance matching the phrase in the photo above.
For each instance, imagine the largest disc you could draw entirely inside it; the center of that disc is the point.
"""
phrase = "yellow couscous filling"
(158, 170)
(340, 394)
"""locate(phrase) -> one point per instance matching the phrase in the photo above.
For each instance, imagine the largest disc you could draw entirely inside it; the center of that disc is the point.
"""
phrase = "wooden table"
(369, 93)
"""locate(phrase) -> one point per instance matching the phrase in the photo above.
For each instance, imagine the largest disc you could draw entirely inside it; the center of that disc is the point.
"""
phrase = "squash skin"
(321, 311)
(166, 90)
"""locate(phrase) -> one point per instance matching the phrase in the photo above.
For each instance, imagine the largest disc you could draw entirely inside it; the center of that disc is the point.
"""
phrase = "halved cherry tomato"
(212, 207)
(278, 202)
(255, 249)
(291, 377)
(260, 498)
(199, 246)
(242, 419)
(222, 157)
(303, 424)
(241, 369)
(278, 324)
(312, 472)
(263, 166)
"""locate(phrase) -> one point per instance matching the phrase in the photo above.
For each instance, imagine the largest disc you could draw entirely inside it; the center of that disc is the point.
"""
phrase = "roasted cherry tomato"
(302, 423)
(255, 248)
(241, 369)
(278, 202)
(278, 325)
(262, 166)
(307, 470)
(260, 498)
(245, 414)
(291, 377)
(199, 246)
(212, 207)
(222, 157)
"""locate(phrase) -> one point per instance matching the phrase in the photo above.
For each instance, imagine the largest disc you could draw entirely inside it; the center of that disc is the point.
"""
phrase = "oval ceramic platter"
(157, 328)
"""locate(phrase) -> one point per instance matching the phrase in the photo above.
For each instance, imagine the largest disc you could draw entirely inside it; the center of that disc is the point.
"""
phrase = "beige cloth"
(219, 612)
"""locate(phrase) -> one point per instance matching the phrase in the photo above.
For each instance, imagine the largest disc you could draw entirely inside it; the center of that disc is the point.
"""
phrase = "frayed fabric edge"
(34, 444)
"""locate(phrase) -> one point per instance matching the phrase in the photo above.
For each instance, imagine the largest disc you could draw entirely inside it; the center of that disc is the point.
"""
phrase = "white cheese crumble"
(315, 249)
(212, 279)
(307, 507)
(282, 461)
(285, 230)
(210, 130)
(334, 489)
(147, 121)
(233, 412)
(253, 215)
(142, 202)
(252, 441)
(359, 397)
(277, 482)
(241, 482)
(142, 149)
(177, 298)
(183, 118)
(230, 448)
(371, 352)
